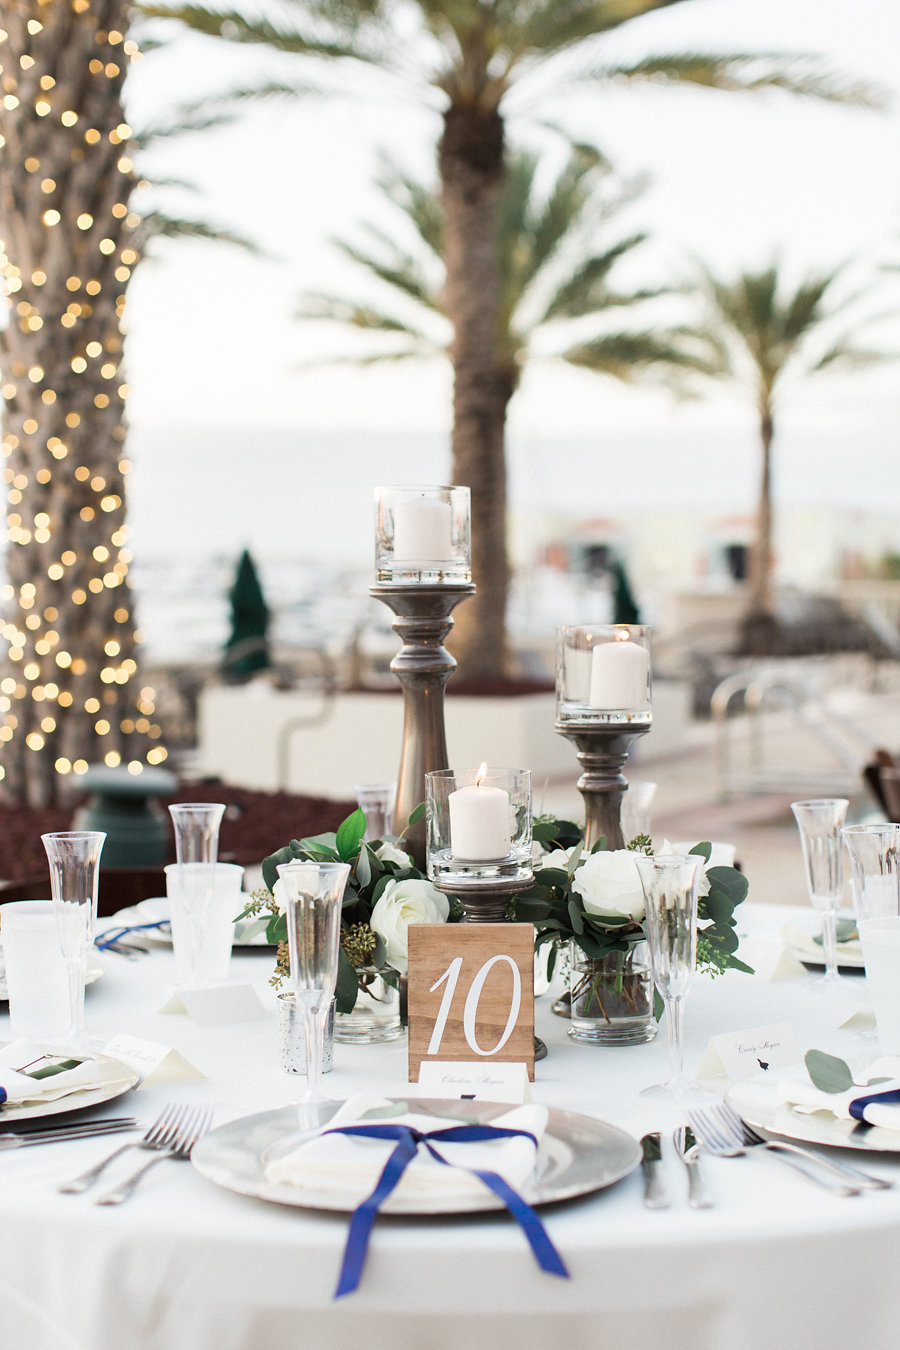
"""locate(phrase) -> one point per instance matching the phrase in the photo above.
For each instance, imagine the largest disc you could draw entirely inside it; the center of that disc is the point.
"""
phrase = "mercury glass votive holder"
(603, 674)
(478, 825)
(423, 535)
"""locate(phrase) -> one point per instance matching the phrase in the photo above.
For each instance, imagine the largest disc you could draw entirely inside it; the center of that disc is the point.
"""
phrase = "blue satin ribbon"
(859, 1104)
(408, 1141)
(114, 935)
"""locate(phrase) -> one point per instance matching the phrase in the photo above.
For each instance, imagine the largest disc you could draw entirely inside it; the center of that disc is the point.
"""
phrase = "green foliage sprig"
(557, 910)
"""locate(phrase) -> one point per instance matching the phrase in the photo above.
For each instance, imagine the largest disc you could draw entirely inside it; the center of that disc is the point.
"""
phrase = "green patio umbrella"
(247, 649)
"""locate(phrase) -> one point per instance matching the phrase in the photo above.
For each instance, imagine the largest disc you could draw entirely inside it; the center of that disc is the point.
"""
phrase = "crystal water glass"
(819, 822)
(312, 894)
(196, 827)
(74, 857)
(377, 801)
(669, 882)
(874, 852)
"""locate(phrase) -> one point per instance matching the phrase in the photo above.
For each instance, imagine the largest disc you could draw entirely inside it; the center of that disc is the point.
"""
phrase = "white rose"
(278, 896)
(400, 904)
(559, 858)
(610, 886)
(390, 853)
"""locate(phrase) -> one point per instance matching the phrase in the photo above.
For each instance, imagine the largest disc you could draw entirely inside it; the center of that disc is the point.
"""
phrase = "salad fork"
(188, 1131)
(723, 1132)
(161, 1134)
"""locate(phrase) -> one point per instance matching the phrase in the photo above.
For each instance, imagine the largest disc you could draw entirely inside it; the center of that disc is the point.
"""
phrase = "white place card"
(742, 1054)
(150, 1059)
(218, 1005)
(499, 1081)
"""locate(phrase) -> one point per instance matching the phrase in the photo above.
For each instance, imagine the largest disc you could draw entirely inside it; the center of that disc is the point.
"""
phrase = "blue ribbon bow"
(859, 1104)
(408, 1141)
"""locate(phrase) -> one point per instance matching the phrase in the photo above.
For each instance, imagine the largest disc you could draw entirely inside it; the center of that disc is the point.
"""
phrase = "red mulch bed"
(255, 824)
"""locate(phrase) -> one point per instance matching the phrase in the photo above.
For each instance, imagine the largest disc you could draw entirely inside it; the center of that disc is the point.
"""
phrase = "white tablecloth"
(185, 1265)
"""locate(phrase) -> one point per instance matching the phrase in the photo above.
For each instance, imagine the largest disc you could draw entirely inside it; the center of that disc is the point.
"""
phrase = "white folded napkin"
(349, 1165)
(21, 1089)
(804, 1096)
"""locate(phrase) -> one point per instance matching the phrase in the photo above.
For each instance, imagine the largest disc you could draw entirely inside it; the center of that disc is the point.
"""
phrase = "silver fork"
(161, 1134)
(722, 1131)
(188, 1131)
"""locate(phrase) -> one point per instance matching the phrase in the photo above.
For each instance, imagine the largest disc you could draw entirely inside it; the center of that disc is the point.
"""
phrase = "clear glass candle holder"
(479, 824)
(603, 674)
(423, 534)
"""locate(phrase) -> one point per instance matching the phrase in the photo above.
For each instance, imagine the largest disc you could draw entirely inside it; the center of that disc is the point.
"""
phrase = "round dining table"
(187, 1264)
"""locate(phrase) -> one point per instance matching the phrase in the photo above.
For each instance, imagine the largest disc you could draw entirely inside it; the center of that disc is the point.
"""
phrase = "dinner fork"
(723, 1132)
(161, 1134)
(188, 1131)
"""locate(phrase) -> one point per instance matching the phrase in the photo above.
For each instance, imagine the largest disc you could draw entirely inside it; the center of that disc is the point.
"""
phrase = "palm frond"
(160, 225)
(337, 309)
(584, 291)
(629, 356)
(339, 37)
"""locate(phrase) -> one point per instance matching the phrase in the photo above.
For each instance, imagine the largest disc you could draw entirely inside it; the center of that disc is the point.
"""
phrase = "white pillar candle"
(619, 671)
(422, 531)
(479, 823)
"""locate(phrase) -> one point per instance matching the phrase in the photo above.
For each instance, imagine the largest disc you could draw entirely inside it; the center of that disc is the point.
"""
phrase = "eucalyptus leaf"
(727, 879)
(364, 867)
(349, 834)
(417, 813)
(702, 850)
(317, 843)
(347, 986)
(828, 1073)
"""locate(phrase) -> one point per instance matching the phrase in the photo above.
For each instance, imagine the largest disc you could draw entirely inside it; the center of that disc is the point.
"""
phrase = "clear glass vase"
(376, 1014)
(611, 997)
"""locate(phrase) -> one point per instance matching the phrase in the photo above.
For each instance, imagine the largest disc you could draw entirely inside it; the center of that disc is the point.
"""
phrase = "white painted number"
(470, 1011)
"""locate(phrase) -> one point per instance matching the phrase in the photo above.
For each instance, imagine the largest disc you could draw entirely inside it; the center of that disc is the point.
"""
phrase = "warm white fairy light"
(46, 674)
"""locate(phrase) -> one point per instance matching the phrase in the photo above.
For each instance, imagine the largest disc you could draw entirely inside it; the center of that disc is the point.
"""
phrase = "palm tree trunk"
(69, 696)
(760, 629)
(472, 167)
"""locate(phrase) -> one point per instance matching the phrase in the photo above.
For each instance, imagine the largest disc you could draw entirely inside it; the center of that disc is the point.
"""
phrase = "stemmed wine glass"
(313, 893)
(875, 863)
(669, 882)
(819, 822)
(74, 857)
(196, 827)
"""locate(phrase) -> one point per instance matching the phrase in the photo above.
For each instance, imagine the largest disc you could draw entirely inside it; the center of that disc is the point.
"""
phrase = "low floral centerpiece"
(385, 893)
(589, 904)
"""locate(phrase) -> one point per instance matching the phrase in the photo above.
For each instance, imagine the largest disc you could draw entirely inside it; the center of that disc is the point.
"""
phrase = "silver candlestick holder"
(423, 666)
(602, 752)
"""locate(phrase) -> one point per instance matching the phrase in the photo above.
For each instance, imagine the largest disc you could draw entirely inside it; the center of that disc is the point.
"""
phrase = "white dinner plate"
(578, 1154)
(801, 943)
(760, 1104)
(92, 975)
(116, 1079)
(157, 908)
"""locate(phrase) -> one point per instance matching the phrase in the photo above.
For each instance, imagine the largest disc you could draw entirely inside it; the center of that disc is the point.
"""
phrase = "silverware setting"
(162, 1135)
(190, 1126)
(688, 1150)
(57, 1134)
(655, 1194)
(722, 1132)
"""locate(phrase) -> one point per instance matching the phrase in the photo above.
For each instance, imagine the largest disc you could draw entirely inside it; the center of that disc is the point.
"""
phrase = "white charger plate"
(578, 1154)
(93, 973)
(760, 1104)
(116, 1079)
(801, 943)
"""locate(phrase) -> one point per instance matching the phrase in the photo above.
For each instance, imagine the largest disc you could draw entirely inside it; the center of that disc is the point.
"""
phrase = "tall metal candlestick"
(602, 751)
(423, 666)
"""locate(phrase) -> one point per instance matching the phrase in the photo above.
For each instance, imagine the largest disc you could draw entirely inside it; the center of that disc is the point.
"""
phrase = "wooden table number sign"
(471, 994)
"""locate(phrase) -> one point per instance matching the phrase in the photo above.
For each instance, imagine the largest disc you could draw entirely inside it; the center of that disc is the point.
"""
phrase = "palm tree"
(770, 335)
(71, 690)
(465, 57)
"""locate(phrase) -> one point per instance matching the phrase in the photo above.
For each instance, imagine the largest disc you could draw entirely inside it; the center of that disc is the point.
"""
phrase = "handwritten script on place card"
(506, 1082)
(471, 994)
(741, 1054)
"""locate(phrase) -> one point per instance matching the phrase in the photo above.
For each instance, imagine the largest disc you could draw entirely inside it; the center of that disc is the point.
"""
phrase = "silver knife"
(655, 1196)
(689, 1152)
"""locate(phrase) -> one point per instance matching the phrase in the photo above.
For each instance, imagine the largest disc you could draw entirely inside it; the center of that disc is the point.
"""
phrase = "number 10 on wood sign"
(471, 994)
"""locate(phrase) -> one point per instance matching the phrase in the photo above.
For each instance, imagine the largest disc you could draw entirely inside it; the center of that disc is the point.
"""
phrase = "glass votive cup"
(378, 801)
(423, 534)
(603, 674)
(37, 979)
(478, 824)
(204, 901)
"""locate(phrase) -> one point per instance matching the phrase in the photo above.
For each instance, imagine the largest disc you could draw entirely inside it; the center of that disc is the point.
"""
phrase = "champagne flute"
(669, 882)
(875, 865)
(74, 857)
(196, 850)
(313, 893)
(819, 822)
